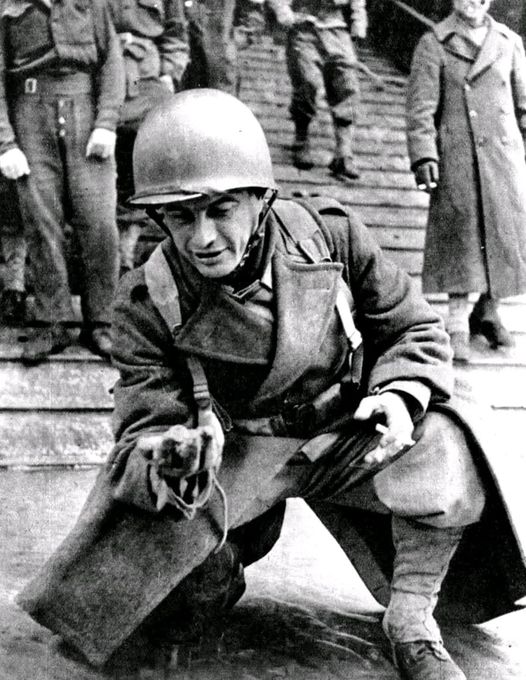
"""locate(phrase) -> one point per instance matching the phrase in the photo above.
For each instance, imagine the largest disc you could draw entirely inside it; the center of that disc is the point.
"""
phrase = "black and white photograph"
(262, 339)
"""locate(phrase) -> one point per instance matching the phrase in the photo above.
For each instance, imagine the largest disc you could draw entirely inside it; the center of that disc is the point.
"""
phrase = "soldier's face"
(472, 11)
(212, 233)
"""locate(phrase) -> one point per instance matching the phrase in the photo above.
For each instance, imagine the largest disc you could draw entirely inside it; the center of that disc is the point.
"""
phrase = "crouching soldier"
(259, 348)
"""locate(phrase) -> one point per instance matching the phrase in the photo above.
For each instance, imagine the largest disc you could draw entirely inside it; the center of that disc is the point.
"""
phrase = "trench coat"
(468, 112)
(123, 557)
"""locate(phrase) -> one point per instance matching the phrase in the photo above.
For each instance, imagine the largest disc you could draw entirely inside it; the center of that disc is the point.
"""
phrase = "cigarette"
(382, 429)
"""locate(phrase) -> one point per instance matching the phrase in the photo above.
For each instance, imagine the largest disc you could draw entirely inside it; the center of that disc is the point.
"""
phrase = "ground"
(305, 615)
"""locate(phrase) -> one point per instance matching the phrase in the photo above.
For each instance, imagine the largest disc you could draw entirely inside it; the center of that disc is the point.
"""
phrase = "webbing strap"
(163, 289)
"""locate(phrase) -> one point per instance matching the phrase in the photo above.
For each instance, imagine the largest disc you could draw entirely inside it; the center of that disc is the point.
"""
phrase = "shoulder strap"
(164, 294)
(163, 288)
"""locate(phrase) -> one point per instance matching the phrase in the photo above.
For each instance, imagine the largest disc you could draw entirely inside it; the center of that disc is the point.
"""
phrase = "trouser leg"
(458, 325)
(14, 248)
(92, 195)
(41, 196)
(304, 67)
(422, 557)
(343, 94)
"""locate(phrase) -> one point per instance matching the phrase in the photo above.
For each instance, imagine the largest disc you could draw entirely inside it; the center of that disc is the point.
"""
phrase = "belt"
(51, 84)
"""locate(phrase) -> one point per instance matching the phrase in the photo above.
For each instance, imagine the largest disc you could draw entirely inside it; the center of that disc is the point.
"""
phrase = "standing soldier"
(241, 384)
(213, 48)
(320, 51)
(466, 128)
(155, 50)
(61, 88)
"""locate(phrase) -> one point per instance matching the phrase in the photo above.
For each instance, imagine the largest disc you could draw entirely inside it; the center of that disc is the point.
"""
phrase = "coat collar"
(489, 52)
(304, 301)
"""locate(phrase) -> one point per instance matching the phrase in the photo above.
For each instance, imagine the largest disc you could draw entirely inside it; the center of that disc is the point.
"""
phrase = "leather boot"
(485, 320)
(343, 162)
(45, 341)
(422, 557)
(98, 340)
(13, 307)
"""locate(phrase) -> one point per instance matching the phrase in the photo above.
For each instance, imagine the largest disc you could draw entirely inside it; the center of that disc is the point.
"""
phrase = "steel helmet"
(198, 142)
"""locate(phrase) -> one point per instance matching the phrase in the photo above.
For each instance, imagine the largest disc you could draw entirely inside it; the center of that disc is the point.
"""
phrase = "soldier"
(155, 48)
(320, 49)
(466, 128)
(243, 381)
(212, 45)
(61, 88)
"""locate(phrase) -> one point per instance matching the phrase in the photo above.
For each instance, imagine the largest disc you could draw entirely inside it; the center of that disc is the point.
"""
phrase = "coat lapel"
(305, 301)
(490, 51)
(224, 329)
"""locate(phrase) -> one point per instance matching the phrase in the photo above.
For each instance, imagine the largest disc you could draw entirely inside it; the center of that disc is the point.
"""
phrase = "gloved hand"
(426, 176)
(398, 433)
(13, 164)
(101, 144)
(285, 16)
(182, 461)
(168, 82)
(359, 29)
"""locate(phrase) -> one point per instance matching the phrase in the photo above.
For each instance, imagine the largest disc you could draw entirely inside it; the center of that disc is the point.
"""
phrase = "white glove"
(101, 143)
(13, 164)
(168, 82)
(285, 16)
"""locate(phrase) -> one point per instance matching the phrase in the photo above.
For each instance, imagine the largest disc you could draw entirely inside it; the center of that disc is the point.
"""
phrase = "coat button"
(481, 141)
(61, 120)
(473, 114)
(467, 87)
(504, 140)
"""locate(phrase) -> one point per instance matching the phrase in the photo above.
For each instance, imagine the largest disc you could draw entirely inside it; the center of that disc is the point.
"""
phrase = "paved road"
(305, 615)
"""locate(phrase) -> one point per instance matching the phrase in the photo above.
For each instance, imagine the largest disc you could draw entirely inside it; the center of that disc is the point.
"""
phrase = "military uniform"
(212, 46)
(155, 47)
(243, 328)
(320, 51)
(60, 78)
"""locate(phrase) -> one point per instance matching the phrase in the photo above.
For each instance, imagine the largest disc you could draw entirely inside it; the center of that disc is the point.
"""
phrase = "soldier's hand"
(13, 164)
(426, 176)
(101, 144)
(168, 82)
(180, 451)
(285, 16)
(398, 432)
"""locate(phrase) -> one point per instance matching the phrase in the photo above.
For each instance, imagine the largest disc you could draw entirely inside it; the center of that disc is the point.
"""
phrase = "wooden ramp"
(59, 413)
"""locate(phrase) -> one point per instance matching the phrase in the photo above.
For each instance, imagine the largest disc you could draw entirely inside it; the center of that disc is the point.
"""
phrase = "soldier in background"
(213, 52)
(320, 50)
(154, 45)
(61, 88)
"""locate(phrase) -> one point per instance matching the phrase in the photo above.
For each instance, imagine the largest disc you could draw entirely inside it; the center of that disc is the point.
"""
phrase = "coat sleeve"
(518, 83)
(7, 135)
(110, 84)
(404, 338)
(173, 42)
(152, 394)
(423, 100)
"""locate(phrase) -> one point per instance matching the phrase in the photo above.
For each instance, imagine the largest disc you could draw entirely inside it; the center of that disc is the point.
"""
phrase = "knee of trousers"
(436, 481)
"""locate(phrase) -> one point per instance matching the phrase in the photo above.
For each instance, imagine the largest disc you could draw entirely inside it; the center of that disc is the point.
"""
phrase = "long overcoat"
(467, 111)
(124, 557)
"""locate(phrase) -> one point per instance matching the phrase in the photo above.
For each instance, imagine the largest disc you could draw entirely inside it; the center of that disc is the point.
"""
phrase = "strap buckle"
(30, 85)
